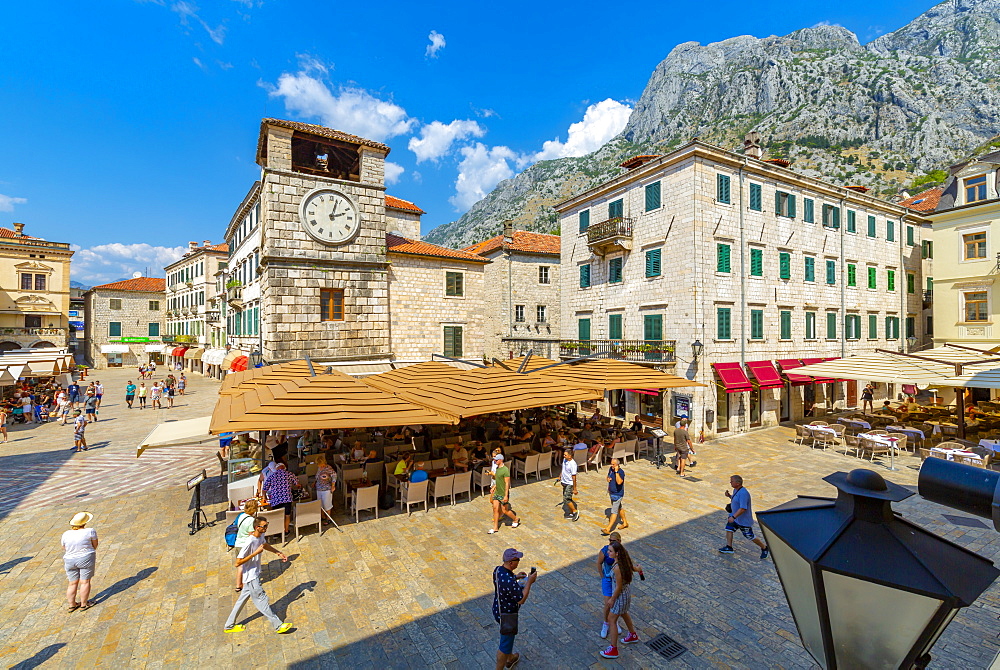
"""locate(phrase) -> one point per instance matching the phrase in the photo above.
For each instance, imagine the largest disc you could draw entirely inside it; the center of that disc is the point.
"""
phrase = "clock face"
(329, 216)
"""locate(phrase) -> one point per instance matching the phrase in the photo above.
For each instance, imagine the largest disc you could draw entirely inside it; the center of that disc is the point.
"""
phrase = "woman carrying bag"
(244, 526)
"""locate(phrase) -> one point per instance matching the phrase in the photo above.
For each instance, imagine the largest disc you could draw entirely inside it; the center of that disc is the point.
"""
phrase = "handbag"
(729, 508)
(508, 622)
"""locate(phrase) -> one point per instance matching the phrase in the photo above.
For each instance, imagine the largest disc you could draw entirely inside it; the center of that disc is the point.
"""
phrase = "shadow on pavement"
(7, 565)
(280, 606)
(39, 658)
(20, 478)
(123, 584)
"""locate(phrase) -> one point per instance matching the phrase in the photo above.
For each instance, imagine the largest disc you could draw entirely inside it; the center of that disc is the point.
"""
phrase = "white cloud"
(110, 262)
(352, 110)
(7, 202)
(188, 11)
(480, 170)
(436, 138)
(601, 122)
(437, 43)
(393, 171)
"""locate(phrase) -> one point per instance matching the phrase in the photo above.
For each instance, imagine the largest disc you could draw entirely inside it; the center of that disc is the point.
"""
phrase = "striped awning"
(816, 378)
(943, 366)
(795, 379)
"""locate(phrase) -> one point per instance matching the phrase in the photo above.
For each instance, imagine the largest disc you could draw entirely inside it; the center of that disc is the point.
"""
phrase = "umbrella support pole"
(960, 410)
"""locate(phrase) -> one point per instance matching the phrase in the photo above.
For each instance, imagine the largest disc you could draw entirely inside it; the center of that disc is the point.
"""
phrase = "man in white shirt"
(249, 560)
(568, 480)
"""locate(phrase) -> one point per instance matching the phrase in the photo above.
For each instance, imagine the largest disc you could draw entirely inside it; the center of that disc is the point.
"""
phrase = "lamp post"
(868, 589)
(912, 341)
(696, 348)
(256, 358)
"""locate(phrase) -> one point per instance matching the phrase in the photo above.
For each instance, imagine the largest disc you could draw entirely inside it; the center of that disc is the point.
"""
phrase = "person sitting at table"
(477, 455)
(971, 410)
(372, 457)
(911, 405)
(548, 442)
(403, 464)
(460, 457)
(596, 416)
(587, 433)
(419, 473)
(504, 432)
(886, 408)
(594, 449)
(358, 452)
(581, 445)
(526, 435)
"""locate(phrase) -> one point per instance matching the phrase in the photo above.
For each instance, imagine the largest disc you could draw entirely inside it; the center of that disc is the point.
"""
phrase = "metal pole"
(960, 407)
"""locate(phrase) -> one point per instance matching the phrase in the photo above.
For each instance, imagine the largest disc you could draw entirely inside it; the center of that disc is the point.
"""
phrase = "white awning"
(114, 349)
(213, 356)
(155, 348)
(188, 431)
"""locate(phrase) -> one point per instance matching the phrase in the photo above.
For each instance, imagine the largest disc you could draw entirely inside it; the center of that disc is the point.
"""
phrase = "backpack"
(233, 529)
(388, 500)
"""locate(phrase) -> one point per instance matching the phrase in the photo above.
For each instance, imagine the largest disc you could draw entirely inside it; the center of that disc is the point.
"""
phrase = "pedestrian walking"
(621, 599)
(868, 399)
(79, 426)
(3, 423)
(99, 392)
(26, 408)
(508, 596)
(249, 560)
(500, 495)
(64, 408)
(141, 392)
(604, 565)
(74, 394)
(740, 517)
(568, 480)
(682, 445)
(129, 394)
(170, 396)
(616, 490)
(326, 483)
(90, 406)
(155, 394)
(79, 545)
(244, 528)
(181, 384)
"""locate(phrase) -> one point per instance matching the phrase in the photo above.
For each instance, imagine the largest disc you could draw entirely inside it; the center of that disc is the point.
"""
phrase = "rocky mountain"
(882, 114)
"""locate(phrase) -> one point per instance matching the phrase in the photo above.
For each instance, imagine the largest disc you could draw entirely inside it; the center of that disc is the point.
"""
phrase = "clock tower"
(323, 266)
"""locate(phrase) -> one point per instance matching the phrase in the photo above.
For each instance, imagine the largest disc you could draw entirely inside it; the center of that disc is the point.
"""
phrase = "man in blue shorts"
(508, 596)
(741, 518)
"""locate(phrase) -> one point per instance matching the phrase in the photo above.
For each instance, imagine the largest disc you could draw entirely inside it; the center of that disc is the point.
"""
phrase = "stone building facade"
(124, 321)
(193, 316)
(755, 263)
(35, 299)
(522, 290)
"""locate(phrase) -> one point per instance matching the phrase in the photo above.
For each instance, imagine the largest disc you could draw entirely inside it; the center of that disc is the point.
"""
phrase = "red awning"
(819, 380)
(179, 351)
(239, 364)
(734, 380)
(790, 364)
(644, 391)
(765, 374)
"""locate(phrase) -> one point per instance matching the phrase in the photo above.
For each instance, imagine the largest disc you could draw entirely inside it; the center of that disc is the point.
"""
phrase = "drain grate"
(666, 646)
(964, 521)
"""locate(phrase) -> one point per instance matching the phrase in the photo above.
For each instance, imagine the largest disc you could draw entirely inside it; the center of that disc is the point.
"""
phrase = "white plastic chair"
(463, 484)
(414, 494)
(485, 480)
(443, 487)
(307, 514)
(366, 498)
(528, 466)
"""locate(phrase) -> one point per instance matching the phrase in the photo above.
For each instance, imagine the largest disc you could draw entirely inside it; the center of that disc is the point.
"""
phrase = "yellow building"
(966, 244)
(34, 291)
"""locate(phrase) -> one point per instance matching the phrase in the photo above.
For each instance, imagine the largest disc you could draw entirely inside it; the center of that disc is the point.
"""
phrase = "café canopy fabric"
(734, 379)
(228, 359)
(329, 400)
(9, 375)
(187, 431)
(765, 374)
(239, 364)
(213, 356)
(607, 374)
(514, 364)
(791, 364)
(238, 382)
(154, 348)
(194, 354)
(180, 351)
(939, 366)
(824, 379)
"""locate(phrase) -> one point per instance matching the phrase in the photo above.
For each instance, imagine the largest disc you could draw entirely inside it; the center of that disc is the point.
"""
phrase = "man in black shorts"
(682, 445)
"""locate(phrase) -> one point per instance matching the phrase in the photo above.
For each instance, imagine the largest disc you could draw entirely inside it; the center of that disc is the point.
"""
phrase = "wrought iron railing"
(624, 350)
(619, 226)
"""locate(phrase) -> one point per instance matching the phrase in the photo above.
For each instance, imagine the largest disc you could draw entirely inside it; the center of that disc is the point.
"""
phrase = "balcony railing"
(34, 332)
(611, 235)
(928, 296)
(635, 351)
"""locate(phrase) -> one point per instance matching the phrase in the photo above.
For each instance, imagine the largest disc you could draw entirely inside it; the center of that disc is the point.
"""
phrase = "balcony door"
(583, 335)
(652, 328)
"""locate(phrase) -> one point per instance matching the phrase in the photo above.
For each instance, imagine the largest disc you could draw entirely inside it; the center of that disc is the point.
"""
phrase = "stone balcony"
(633, 351)
(234, 296)
(29, 336)
(611, 235)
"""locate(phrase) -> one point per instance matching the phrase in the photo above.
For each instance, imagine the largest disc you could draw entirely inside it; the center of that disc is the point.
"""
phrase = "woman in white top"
(79, 559)
(244, 526)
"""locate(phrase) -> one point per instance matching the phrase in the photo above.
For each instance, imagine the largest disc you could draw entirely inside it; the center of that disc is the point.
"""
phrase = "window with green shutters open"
(810, 325)
(831, 272)
(615, 270)
(852, 274)
(926, 249)
(872, 278)
(909, 236)
(722, 258)
(756, 198)
(911, 282)
(784, 204)
(756, 262)
(871, 226)
(808, 210)
(724, 323)
(584, 221)
(756, 324)
(653, 262)
(831, 216)
(890, 280)
(852, 327)
(616, 209)
(453, 341)
(585, 275)
(614, 326)
(652, 196)
(873, 326)
(831, 325)
(852, 223)
(786, 325)
(784, 265)
(722, 183)
(810, 269)
(892, 327)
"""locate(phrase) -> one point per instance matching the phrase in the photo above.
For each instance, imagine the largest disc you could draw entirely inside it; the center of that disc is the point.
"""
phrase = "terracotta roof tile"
(142, 284)
(524, 240)
(636, 161)
(402, 245)
(7, 232)
(312, 129)
(927, 201)
(393, 202)
(224, 248)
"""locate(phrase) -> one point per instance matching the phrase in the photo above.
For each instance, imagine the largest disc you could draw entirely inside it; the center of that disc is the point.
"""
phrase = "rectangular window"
(975, 189)
(911, 326)
(32, 321)
(585, 275)
(831, 272)
(756, 198)
(852, 327)
(890, 231)
(810, 325)
(810, 269)
(784, 265)
(115, 303)
(784, 204)
(454, 284)
(615, 270)
(927, 249)
(722, 188)
(852, 274)
(653, 262)
(756, 324)
(911, 283)
(584, 220)
(114, 328)
(652, 196)
(722, 258)
(872, 278)
(543, 274)
(756, 262)
(890, 280)
(519, 313)
(724, 323)
(331, 304)
(929, 326)
(39, 282)
(871, 226)
(153, 329)
(831, 325)
(975, 245)
(976, 306)
(540, 314)
(930, 284)
(831, 216)
(786, 325)
(616, 209)
(808, 213)
(652, 327)
(852, 221)
(453, 341)
(583, 329)
(873, 326)
(614, 326)
(892, 327)
(154, 305)
(909, 236)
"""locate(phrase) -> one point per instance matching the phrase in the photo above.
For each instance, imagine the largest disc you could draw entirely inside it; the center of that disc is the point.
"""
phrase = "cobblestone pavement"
(414, 591)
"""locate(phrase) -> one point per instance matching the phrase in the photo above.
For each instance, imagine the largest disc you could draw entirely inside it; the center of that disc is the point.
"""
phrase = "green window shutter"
(808, 210)
(909, 236)
(784, 265)
(890, 231)
(584, 221)
(724, 323)
(786, 325)
(831, 325)
(890, 280)
(154, 330)
(653, 196)
(888, 328)
(810, 325)
(911, 326)
(872, 278)
(791, 206)
(872, 326)
(911, 283)
(652, 327)
(852, 224)
(756, 324)
(722, 254)
(653, 263)
(757, 262)
(871, 226)
(722, 188)
(756, 198)
(836, 217)
(615, 270)
(852, 274)
(831, 272)
(616, 209)
(777, 203)
(114, 329)
(930, 284)
(614, 326)
(583, 329)
(810, 269)
(585, 275)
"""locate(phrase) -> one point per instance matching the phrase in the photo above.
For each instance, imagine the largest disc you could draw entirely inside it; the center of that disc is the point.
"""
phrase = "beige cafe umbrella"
(238, 381)
(187, 431)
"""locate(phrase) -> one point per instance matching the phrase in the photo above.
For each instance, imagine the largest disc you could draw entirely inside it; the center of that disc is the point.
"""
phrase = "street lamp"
(696, 348)
(256, 358)
(912, 341)
(868, 589)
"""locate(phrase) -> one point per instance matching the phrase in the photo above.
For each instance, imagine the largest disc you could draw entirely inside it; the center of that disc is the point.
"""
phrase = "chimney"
(751, 145)
(19, 229)
(192, 245)
(206, 243)
(508, 232)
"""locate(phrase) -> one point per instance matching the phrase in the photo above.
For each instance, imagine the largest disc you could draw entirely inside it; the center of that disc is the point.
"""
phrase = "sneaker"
(604, 630)
(576, 517)
(515, 524)
(236, 629)
(490, 531)
(726, 550)
(630, 638)
(610, 652)
(284, 628)
(764, 553)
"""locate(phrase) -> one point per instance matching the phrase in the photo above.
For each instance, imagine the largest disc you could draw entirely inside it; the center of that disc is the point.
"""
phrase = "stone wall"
(514, 280)
(135, 309)
(404, 224)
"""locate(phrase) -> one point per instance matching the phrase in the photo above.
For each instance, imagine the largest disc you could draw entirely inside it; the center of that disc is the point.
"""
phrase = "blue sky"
(129, 128)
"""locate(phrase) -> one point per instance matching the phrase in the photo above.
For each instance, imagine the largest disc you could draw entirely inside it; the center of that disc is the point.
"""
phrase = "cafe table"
(951, 453)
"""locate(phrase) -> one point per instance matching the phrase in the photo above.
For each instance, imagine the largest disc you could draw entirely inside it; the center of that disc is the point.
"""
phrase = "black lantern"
(696, 348)
(256, 358)
(868, 589)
